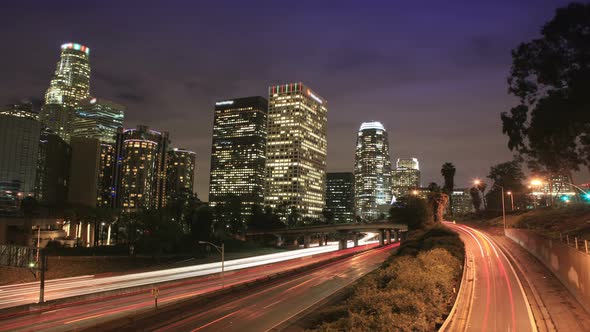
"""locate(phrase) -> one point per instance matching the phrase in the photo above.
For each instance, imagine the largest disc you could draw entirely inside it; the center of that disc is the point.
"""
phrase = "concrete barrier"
(570, 266)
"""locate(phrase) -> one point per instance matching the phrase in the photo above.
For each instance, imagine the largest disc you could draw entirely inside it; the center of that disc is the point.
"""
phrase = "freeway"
(266, 308)
(494, 297)
(86, 313)
(19, 294)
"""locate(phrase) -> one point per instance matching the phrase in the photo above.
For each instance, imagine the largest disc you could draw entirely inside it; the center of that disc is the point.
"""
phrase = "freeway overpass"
(347, 231)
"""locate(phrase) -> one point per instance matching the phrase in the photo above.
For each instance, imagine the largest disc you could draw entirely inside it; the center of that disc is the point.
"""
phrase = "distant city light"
(225, 102)
(316, 98)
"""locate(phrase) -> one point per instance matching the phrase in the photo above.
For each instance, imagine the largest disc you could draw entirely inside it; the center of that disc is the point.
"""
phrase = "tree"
(438, 201)
(510, 176)
(294, 217)
(481, 186)
(475, 198)
(433, 187)
(202, 223)
(448, 172)
(328, 215)
(550, 75)
(413, 211)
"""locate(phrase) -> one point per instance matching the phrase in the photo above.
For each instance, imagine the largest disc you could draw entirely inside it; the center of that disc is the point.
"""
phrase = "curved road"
(494, 298)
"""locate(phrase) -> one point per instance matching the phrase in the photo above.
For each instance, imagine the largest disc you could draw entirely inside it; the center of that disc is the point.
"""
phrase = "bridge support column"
(320, 240)
(306, 241)
(325, 240)
(388, 235)
(396, 235)
(381, 237)
(280, 241)
(356, 239)
(342, 244)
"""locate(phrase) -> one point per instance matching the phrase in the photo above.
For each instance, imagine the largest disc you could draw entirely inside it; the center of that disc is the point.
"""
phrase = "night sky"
(433, 72)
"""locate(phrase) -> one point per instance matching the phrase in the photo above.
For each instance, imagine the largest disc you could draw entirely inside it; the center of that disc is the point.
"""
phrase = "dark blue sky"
(433, 72)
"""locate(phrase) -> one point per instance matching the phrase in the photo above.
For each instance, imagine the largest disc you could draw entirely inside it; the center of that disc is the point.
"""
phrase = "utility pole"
(43, 266)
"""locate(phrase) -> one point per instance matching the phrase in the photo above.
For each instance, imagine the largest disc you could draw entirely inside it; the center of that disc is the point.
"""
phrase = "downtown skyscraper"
(372, 171)
(180, 175)
(297, 149)
(340, 196)
(142, 162)
(19, 144)
(70, 84)
(238, 153)
(405, 177)
(98, 118)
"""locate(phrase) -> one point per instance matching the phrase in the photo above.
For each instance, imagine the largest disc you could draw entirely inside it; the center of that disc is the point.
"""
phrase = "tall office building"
(405, 177)
(340, 196)
(84, 171)
(70, 84)
(372, 171)
(181, 174)
(19, 142)
(106, 185)
(53, 169)
(98, 118)
(142, 161)
(238, 152)
(297, 148)
(462, 202)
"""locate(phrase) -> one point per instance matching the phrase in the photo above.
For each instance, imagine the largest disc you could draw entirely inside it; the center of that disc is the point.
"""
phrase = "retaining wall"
(570, 266)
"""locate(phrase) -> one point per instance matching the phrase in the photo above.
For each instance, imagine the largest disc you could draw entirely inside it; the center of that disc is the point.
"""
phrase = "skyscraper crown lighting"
(371, 125)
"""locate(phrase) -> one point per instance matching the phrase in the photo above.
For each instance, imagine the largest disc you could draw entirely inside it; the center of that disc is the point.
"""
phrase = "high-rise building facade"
(296, 150)
(142, 161)
(19, 143)
(181, 174)
(462, 202)
(98, 118)
(53, 169)
(372, 171)
(405, 177)
(340, 196)
(106, 184)
(70, 84)
(238, 152)
(84, 171)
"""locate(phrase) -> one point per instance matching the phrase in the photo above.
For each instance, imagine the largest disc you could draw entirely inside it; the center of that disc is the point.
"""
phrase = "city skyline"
(168, 89)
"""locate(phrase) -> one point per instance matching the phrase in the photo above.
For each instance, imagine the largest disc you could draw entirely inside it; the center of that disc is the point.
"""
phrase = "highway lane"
(87, 313)
(498, 301)
(19, 294)
(264, 308)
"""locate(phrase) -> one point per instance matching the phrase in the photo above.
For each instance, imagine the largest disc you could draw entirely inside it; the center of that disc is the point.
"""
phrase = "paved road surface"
(88, 313)
(498, 302)
(266, 307)
(14, 295)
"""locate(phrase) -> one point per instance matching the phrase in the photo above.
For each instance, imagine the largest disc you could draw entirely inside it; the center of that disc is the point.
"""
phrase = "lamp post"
(221, 250)
(477, 182)
(509, 193)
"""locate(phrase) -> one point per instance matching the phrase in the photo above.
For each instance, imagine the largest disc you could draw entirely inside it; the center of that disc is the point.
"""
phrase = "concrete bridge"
(385, 230)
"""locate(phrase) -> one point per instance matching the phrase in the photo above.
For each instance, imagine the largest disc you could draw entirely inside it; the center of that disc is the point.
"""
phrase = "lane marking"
(215, 321)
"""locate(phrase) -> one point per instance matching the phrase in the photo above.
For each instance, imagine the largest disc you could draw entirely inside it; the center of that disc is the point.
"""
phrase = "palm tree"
(448, 172)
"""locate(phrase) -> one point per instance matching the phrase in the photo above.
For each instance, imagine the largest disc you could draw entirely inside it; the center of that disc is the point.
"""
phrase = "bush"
(412, 291)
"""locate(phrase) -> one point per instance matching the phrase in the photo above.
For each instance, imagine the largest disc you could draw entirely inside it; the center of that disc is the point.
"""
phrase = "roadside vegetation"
(412, 291)
(572, 220)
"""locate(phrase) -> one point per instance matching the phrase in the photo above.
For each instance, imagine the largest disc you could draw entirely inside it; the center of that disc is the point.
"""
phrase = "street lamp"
(221, 250)
(477, 182)
(509, 193)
